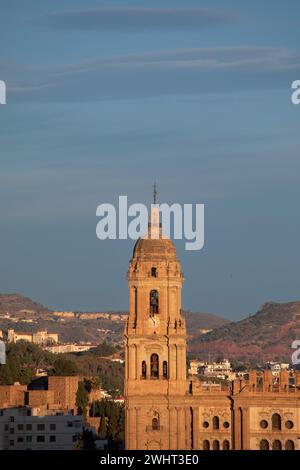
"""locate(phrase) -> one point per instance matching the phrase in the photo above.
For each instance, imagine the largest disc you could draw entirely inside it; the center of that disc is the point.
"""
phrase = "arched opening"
(277, 445)
(226, 445)
(289, 445)
(144, 370)
(154, 366)
(153, 302)
(216, 423)
(216, 445)
(206, 445)
(155, 424)
(165, 370)
(276, 422)
(264, 445)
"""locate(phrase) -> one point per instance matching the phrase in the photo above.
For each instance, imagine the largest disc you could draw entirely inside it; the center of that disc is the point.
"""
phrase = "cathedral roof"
(155, 249)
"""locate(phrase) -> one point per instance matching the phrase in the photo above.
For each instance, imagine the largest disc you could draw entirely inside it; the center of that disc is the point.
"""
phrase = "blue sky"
(105, 97)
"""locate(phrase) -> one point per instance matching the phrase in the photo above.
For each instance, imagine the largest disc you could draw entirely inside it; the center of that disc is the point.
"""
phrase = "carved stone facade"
(165, 410)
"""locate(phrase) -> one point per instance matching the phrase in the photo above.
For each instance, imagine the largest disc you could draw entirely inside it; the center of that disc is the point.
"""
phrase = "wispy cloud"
(136, 19)
(187, 71)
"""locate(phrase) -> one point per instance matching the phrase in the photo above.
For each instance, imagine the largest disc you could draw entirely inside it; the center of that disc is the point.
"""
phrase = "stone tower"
(155, 345)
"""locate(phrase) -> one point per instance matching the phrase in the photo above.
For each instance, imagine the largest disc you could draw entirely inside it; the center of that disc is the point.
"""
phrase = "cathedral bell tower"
(155, 344)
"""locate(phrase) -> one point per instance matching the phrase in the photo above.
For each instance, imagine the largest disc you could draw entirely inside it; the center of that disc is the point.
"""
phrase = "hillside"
(266, 335)
(28, 316)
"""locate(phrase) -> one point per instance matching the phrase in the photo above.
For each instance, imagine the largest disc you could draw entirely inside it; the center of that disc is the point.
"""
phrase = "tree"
(102, 428)
(82, 398)
(64, 367)
(86, 441)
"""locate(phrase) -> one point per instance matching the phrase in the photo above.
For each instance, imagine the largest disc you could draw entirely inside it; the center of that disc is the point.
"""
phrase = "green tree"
(82, 398)
(102, 428)
(64, 366)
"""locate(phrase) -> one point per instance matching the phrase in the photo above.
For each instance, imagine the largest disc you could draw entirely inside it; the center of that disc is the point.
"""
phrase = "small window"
(216, 423)
(206, 445)
(40, 439)
(264, 445)
(154, 366)
(52, 438)
(20, 439)
(226, 445)
(52, 427)
(205, 424)
(289, 424)
(289, 445)
(11, 431)
(165, 369)
(28, 438)
(276, 422)
(277, 445)
(144, 370)
(153, 272)
(263, 424)
(28, 427)
(155, 424)
(12, 419)
(153, 302)
(226, 424)
(41, 427)
(20, 427)
(216, 445)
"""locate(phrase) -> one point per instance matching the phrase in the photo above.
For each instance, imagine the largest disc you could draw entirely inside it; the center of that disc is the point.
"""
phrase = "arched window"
(155, 424)
(216, 422)
(276, 422)
(277, 445)
(153, 302)
(154, 366)
(206, 445)
(165, 370)
(144, 370)
(264, 445)
(226, 445)
(289, 445)
(216, 445)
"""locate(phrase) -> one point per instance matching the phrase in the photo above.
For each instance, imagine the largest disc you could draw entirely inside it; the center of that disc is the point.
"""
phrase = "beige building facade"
(163, 408)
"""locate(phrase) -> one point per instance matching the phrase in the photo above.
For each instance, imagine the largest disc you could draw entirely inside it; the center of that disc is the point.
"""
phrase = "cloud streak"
(138, 19)
(187, 71)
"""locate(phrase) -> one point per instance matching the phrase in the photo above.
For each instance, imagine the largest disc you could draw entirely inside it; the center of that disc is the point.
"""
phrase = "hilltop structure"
(165, 410)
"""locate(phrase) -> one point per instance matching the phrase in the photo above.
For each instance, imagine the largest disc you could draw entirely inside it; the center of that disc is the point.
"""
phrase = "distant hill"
(266, 335)
(86, 330)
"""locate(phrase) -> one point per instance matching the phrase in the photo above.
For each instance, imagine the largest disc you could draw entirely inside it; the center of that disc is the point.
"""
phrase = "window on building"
(226, 424)
(11, 431)
(226, 445)
(289, 445)
(153, 302)
(28, 427)
(20, 439)
(52, 438)
(28, 438)
(264, 445)
(205, 424)
(144, 370)
(165, 370)
(289, 424)
(20, 427)
(40, 439)
(153, 272)
(206, 445)
(276, 422)
(52, 427)
(263, 424)
(154, 366)
(216, 422)
(41, 427)
(216, 445)
(277, 445)
(155, 424)
(12, 419)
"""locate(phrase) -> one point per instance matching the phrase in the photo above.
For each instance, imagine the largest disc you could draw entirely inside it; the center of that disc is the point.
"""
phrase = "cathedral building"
(166, 410)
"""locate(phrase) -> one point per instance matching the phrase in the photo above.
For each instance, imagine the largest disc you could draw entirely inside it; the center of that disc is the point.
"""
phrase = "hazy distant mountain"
(267, 335)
